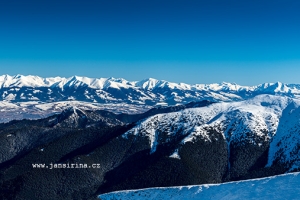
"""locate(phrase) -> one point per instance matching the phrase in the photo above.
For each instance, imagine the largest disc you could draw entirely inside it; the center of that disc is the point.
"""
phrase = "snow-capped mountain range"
(34, 97)
(150, 91)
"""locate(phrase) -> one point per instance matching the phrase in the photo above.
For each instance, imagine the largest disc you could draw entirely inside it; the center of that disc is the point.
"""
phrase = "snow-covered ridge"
(277, 187)
(260, 121)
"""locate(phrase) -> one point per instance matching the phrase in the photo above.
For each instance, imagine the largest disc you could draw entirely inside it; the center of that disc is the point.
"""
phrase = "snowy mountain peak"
(147, 84)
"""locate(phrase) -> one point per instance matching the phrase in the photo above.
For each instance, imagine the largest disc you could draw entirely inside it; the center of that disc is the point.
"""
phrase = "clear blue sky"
(243, 41)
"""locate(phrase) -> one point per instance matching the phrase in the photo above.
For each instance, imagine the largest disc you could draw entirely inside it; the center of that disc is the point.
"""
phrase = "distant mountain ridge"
(149, 92)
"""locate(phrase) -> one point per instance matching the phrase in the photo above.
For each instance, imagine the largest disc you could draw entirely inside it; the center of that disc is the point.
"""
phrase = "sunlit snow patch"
(276, 187)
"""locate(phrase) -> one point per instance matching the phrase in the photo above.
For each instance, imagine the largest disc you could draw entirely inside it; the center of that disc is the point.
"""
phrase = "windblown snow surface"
(277, 187)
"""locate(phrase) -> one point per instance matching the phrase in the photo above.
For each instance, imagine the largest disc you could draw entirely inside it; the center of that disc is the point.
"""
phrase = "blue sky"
(247, 42)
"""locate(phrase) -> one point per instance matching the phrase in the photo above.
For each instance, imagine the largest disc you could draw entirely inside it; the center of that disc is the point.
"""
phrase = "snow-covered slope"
(150, 91)
(37, 110)
(277, 187)
(265, 122)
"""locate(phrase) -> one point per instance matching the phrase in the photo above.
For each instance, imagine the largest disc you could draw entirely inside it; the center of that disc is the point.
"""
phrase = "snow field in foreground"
(276, 187)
